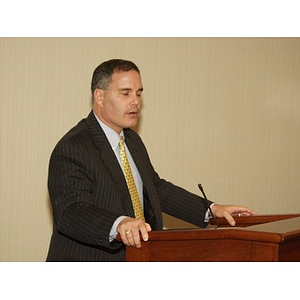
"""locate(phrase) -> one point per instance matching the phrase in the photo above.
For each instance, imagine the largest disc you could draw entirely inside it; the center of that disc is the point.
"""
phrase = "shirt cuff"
(208, 214)
(113, 232)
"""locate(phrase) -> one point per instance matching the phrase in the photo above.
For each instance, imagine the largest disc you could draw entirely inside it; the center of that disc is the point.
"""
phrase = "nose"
(136, 100)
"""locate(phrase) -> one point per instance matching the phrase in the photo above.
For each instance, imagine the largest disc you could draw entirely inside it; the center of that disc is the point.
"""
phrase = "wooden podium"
(258, 238)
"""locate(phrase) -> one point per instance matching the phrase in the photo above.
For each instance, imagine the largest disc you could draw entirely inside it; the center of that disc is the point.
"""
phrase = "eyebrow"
(129, 89)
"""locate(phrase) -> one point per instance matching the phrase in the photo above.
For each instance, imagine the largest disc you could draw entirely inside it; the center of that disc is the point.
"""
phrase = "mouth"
(133, 114)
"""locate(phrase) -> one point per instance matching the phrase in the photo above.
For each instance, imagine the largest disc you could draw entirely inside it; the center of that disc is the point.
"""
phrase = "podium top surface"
(278, 231)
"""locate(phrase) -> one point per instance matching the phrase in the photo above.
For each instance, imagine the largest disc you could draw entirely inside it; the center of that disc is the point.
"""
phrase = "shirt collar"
(111, 135)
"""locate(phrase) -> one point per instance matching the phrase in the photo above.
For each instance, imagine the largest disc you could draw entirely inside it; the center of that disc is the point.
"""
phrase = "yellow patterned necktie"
(137, 207)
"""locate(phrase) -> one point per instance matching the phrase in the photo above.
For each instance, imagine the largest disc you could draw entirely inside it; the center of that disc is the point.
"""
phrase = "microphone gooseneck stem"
(207, 204)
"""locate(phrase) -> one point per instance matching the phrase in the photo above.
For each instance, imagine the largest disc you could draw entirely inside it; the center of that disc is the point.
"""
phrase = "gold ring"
(127, 231)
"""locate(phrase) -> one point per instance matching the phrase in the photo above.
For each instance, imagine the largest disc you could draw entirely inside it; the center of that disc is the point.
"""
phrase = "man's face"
(119, 106)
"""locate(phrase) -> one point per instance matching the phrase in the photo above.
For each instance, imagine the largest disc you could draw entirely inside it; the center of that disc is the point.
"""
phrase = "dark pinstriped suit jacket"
(88, 192)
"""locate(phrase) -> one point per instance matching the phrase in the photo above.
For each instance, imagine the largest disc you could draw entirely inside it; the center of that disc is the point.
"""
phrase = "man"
(92, 196)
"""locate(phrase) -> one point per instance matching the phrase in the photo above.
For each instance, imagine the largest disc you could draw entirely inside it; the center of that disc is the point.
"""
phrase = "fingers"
(230, 211)
(144, 231)
(241, 211)
(243, 214)
(131, 230)
(125, 236)
(229, 218)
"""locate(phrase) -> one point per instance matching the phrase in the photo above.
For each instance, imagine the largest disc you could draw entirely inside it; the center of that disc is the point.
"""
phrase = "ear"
(98, 97)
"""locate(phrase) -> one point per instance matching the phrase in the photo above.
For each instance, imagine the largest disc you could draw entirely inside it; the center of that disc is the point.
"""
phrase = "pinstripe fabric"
(88, 192)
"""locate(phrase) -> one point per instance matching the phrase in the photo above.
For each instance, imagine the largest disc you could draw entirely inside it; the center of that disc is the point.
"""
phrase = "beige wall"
(232, 106)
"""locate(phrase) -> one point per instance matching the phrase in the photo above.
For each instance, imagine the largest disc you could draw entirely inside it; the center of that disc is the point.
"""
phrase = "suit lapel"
(110, 161)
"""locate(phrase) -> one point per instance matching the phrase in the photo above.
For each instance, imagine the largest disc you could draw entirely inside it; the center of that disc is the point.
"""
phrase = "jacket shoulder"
(77, 136)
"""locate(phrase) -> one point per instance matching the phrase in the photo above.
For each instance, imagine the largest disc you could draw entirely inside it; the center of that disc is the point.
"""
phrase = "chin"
(132, 123)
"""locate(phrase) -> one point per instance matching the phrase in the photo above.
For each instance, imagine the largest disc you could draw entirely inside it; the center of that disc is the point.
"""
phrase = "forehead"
(126, 79)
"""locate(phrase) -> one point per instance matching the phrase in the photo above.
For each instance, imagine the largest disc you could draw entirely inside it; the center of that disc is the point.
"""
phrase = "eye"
(139, 93)
(125, 92)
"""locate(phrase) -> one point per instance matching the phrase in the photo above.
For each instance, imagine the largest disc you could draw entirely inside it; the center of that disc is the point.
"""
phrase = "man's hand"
(228, 211)
(130, 230)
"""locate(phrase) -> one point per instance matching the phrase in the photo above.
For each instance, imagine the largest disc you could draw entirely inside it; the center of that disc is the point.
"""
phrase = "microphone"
(207, 204)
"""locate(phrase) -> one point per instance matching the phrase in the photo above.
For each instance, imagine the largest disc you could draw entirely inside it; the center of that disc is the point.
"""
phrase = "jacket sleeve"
(181, 203)
(71, 188)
